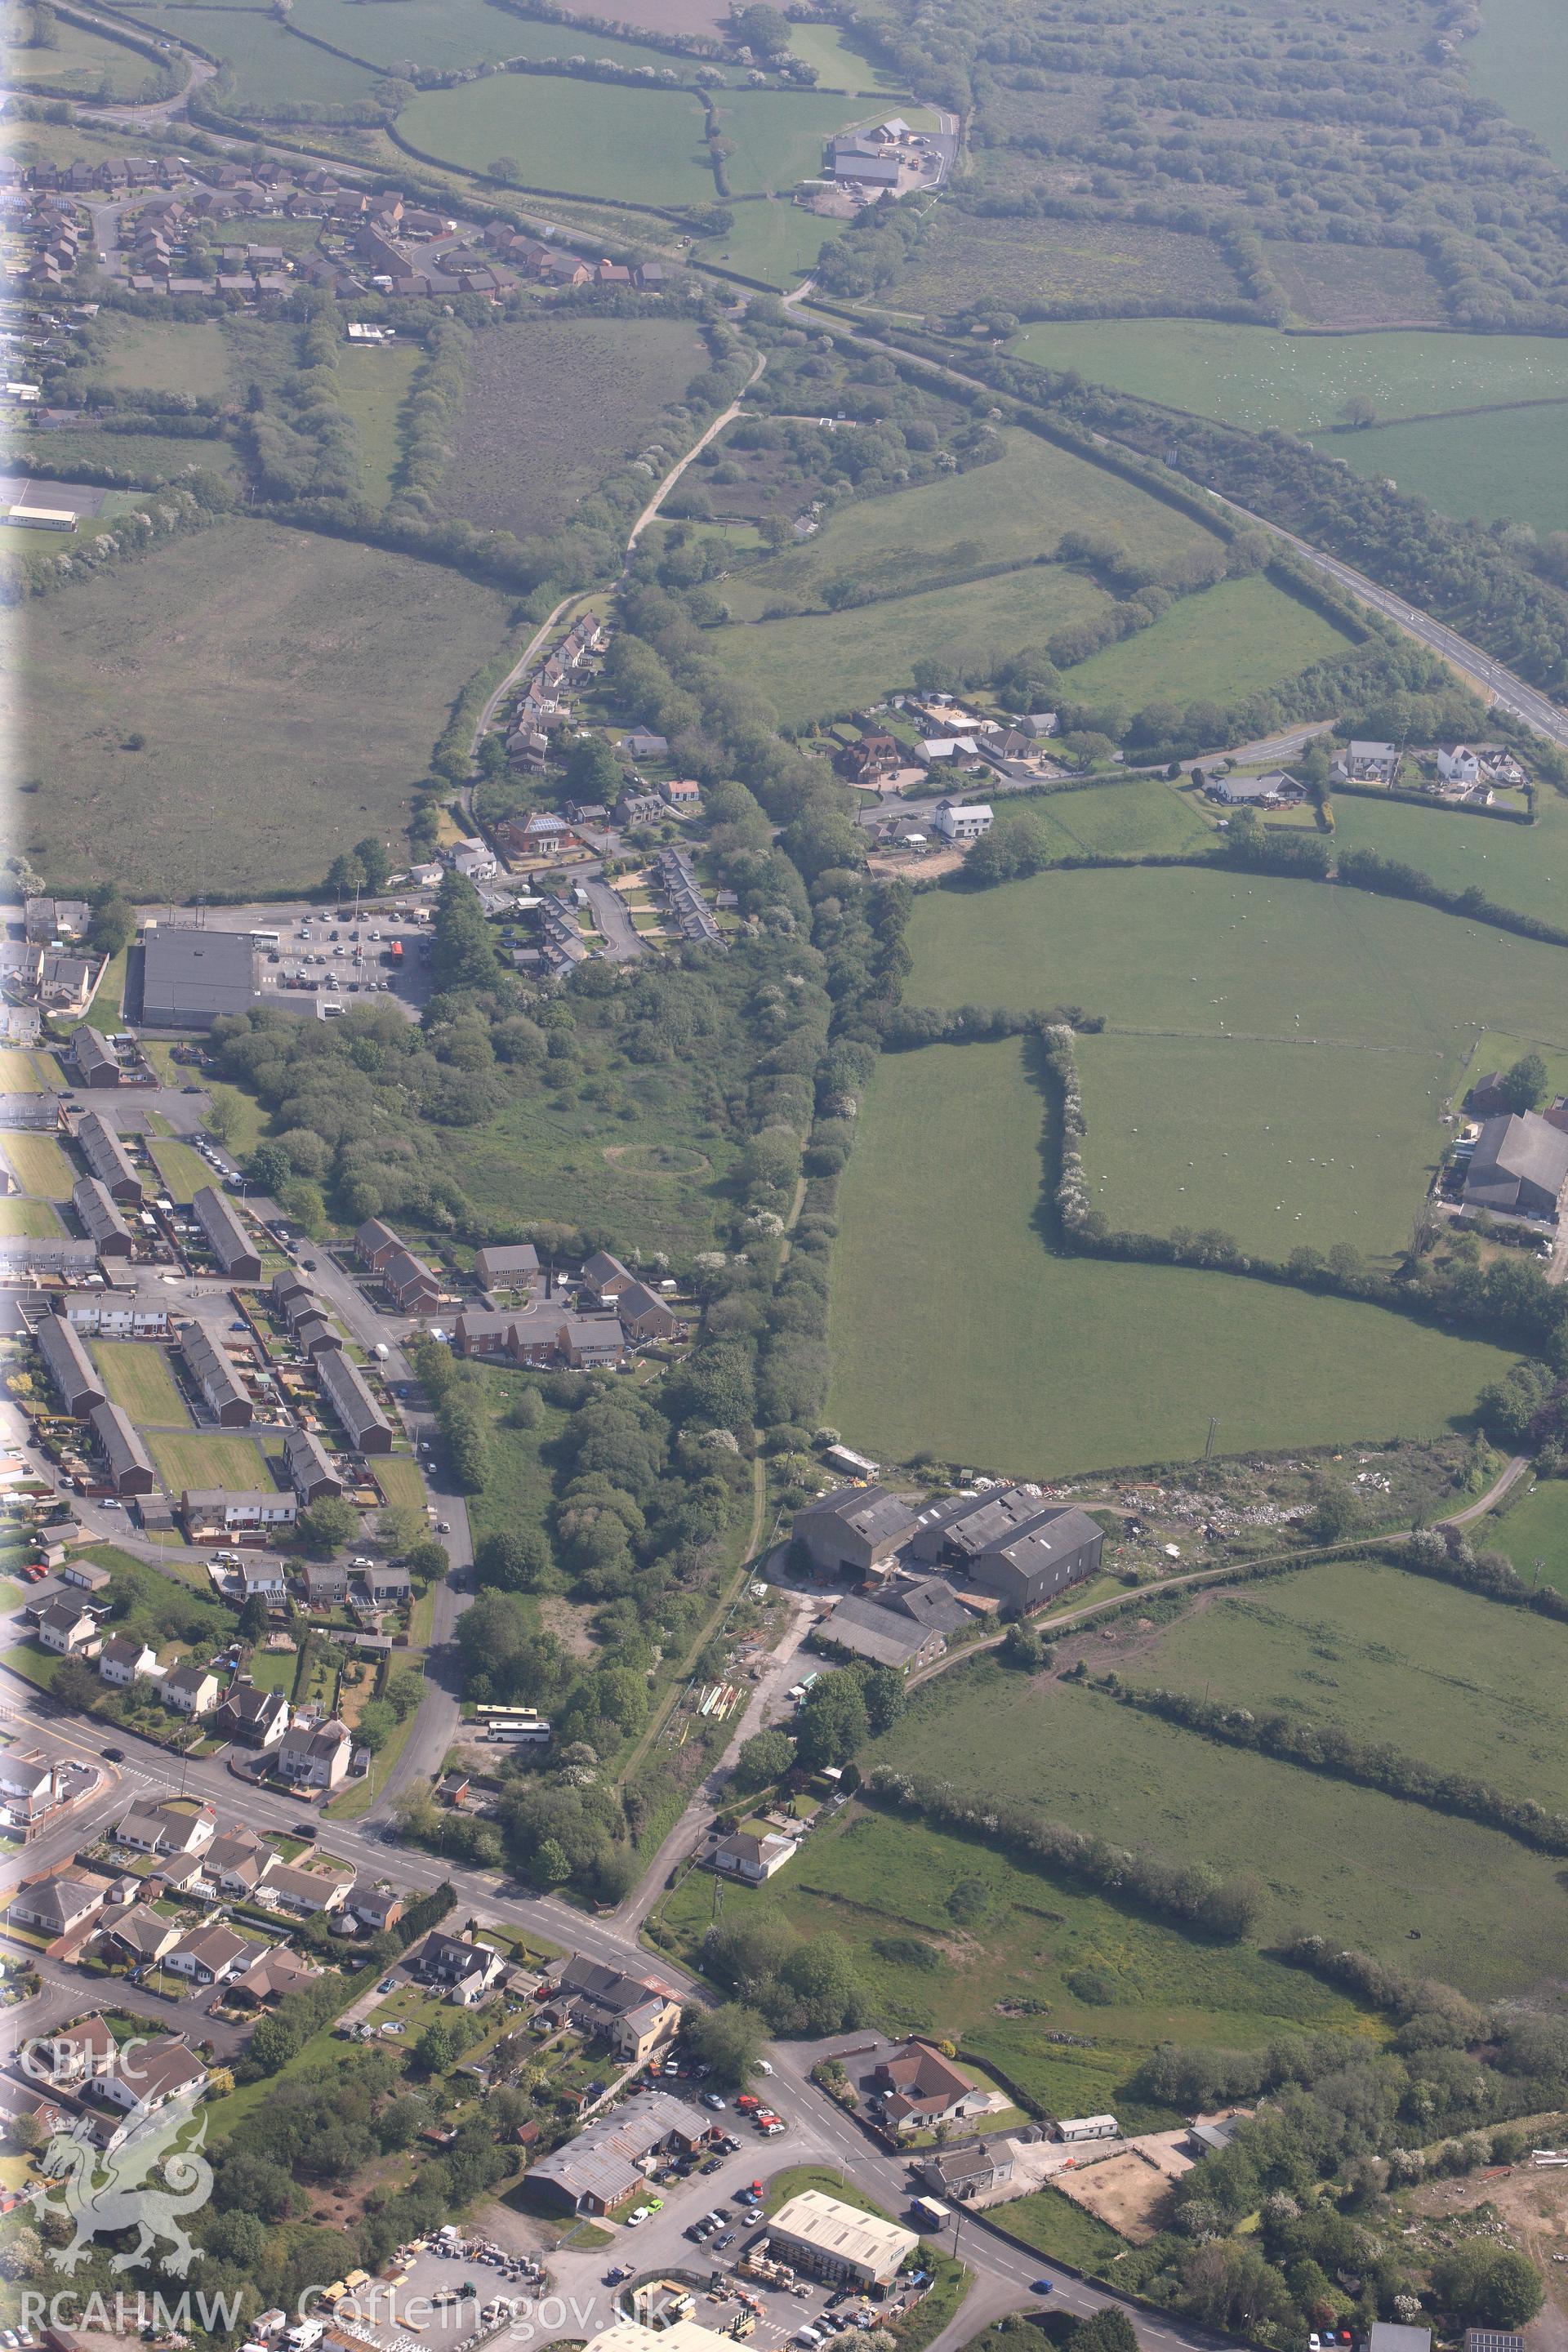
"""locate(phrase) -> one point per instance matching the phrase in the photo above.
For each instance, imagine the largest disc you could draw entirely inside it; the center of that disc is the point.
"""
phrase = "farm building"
(854, 1529)
(907, 1627)
(1519, 1168)
(1011, 1544)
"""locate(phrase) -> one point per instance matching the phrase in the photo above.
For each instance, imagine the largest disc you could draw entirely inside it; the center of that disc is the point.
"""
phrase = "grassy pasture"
(81, 63)
(775, 240)
(884, 1888)
(1519, 57)
(1009, 511)
(1007, 1357)
(840, 61)
(967, 256)
(1134, 815)
(40, 1166)
(170, 358)
(550, 405)
(1349, 1862)
(137, 1378)
(1279, 1146)
(1534, 1534)
(151, 457)
(37, 1220)
(584, 138)
(1443, 1675)
(205, 1459)
(825, 663)
(1257, 377)
(272, 67)
(1520, 865)
(1235, 638)
(333, 668)
(1507, 464)
(1219, 953)
(440, 34)
(373, 386)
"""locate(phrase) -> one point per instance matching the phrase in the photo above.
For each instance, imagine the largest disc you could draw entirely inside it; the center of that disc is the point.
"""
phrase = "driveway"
(622, 941)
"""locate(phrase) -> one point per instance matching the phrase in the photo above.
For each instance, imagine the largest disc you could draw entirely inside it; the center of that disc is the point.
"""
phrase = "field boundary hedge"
(1413, 799)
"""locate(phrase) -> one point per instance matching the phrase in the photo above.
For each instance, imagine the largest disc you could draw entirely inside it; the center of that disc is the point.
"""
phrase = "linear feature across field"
(955, 1328)
(1349, 1862)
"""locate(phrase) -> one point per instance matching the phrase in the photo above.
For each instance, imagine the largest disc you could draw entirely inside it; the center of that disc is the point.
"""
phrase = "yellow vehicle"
(745, 2324)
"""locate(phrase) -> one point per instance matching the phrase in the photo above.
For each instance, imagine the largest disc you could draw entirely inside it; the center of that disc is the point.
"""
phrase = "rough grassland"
(169, 358)
(1256, 376)
(551, 404)
(1534, 1534)
(1348, 1862)
(1520, 865)
(288, 687)
(1349, 286)
(147, 457)
(1219, 953)
(531, 1151)
(138, 1379)
(1510, 464)
(373, 386)
(1137, 814)
(1009, 511)
(879, 1884)
(967, 259)
(1279, 1146)
(829, 664)
(1442, 1674)
(998, 1354)
(204, 1461)
(643, 146)
(839, 64)
(1235, 638)
(1519, 57)
(82, 64)
(269, 65)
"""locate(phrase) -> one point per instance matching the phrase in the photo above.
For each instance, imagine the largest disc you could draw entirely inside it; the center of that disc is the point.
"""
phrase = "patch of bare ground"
(557, 1616)
(1531, 2209)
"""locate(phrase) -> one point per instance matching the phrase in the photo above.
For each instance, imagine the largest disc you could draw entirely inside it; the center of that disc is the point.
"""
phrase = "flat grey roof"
(190, 973)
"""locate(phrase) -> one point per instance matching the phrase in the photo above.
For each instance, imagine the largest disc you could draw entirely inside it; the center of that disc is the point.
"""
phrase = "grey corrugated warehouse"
(190, 977)
(107, 1158)
(70, 1365)
(230, 1242)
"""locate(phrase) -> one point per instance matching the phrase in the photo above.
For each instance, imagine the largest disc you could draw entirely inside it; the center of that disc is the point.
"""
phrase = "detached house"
(123, 1657)
(463, 1970)
(633, 2016)
(252, 1718)
(209, 1955)
(53, 1906)
(315, 1755)
(920, 2089)
(68, 1629)
(191, 1690)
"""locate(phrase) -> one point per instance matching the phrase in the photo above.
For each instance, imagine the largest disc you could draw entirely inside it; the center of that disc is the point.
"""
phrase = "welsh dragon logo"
(102, 2192)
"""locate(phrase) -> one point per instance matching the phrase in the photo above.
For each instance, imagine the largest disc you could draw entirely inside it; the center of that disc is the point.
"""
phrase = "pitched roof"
(228, 1236)
(1523, 1149)
(122, 1447)
(872, 1630)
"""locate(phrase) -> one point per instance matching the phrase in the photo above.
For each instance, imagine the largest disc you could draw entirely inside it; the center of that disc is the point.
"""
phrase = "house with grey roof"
(101, 1222)
(208, 1362)
(96, 1063)
(108, 1159)
(127, 1465)
(308, 1467)
(507, 1267)
(228, 1236)
(69, 1366)
(344, 1386)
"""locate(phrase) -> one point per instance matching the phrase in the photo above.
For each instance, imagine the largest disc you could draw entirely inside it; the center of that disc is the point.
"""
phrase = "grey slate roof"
(70, 1365)
(350, 1397)
(1523, 1149)
(106, 1155)
(122, 1447)
(887, 1636)
(874, 1513)
(229, 1241)
(211, 1369)
(99, 1212)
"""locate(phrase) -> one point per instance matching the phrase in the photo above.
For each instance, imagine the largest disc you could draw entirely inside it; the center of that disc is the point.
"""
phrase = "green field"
(775, 240)
(1134, 815)
(373, 386)
(1054, 2225)
(137, 1378)
(601, 139)
(883, 1885)
(148, 456)
(1010, 511)
(1519, 866)
(40, 1166)
(1346, 1861)
(36, 1219)
(440, 34)
(1534, 1534)
(831, 663)
(1242, 955)
(1507, 464)
(1519, 57)
(171, 358)
(81, 63)
(1281, 1146)
(839, 62)
(1001, 1355)
(182, 1167)
(270, 66)
(397, 1476)
(1257, 377)
(334, 665)
(208, 1460)
(1234, 639)
(1441, 1673)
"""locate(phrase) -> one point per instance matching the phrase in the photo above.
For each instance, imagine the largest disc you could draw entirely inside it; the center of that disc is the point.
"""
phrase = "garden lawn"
(942, 1931)
(397, 1476)
(1445, 1676)
(40, 1165)
(1522, 866)
(149, 1601)
(1356, 1865)
(1534, 1534)
(37, 1219)
(1259, 377)
(373, 386)
(1279, 1146)
(1009, 511)
(826, 665)
(581, 138)
(1508, 463)
(180, 1166)
(1235, 638)
(208, 1460)
(137, 1378)
(295, 638)
(1005, 1356)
